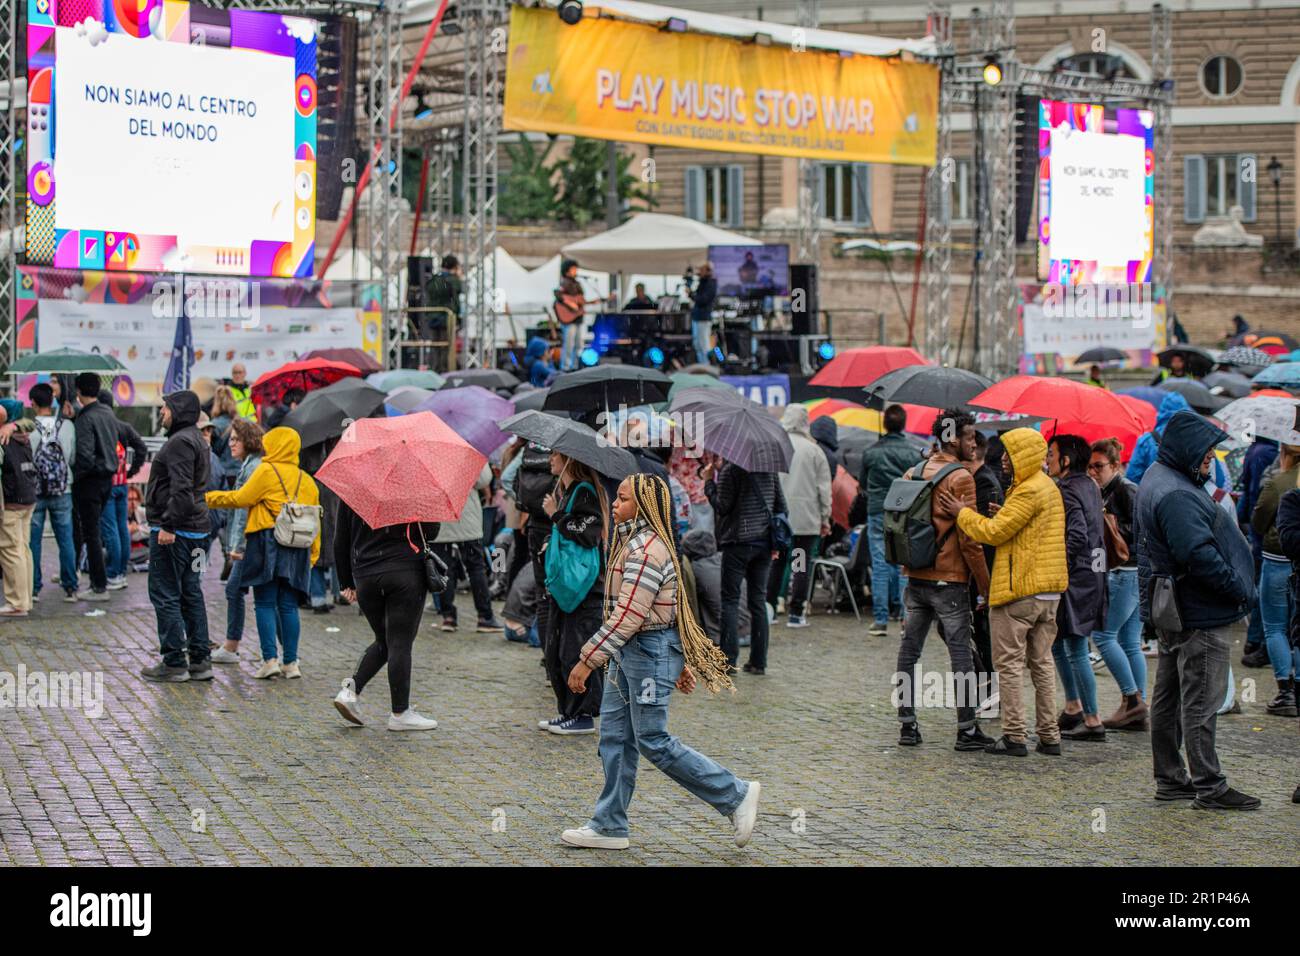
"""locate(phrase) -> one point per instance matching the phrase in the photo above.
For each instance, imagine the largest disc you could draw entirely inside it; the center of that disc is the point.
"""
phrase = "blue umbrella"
(1280, 374)
(1147, 393)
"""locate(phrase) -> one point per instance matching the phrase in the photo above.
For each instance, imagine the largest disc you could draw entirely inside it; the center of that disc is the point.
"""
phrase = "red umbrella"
(409, 468)
(1145, 411)
(1070, 407)
(857, 368)
(269, 388)
(362, 361)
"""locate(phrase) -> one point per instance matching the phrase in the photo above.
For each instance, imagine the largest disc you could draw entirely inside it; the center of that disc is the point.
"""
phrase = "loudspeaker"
(803, 299)
(1026, 163)
(336, 109)
(419, 270)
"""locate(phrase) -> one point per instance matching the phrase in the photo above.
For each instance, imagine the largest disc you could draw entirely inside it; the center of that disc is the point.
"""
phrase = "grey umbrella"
(326, 412)
(530, 400)
(937, 386)
(573, 439)
(489, 378)
(1232, 384)
(1197, 395)
(742, 432)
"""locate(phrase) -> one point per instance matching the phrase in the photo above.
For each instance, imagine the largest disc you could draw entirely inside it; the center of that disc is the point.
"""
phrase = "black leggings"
(392, 602)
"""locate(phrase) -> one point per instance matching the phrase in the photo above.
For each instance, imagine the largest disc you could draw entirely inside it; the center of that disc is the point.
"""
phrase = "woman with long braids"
(651, 642)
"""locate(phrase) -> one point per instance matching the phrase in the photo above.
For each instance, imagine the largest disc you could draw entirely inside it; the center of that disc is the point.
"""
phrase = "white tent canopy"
(652, 243)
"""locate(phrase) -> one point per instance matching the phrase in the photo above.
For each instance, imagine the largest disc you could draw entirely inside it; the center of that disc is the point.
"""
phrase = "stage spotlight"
(450, 25)
(570, 11)
(992, 71)
(826, 351)
(718, 354)
(675, 25)
(590, 356)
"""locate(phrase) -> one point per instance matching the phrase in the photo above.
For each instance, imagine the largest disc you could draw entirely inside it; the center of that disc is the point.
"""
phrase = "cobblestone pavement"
(280, 779)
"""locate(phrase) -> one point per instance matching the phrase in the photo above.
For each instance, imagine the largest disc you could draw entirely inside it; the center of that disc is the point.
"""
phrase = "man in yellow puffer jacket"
(1028, 577)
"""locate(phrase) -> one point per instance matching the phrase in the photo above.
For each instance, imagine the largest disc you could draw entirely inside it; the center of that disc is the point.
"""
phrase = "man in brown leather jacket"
(941, 593)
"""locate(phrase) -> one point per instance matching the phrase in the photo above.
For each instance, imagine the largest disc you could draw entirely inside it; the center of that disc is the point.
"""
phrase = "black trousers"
(802, 549)
(469, 556)
(90, 495)
(749, 563)
(392, 602)
(569, 631)
(538, 534)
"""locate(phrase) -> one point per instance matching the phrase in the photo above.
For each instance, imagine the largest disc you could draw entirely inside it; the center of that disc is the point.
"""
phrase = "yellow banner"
(611, 79)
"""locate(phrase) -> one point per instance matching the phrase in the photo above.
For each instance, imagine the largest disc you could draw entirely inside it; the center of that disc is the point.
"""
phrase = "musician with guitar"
(569, 304)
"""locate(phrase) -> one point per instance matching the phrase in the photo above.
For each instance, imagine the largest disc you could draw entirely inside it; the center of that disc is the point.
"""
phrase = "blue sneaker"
(574, 725)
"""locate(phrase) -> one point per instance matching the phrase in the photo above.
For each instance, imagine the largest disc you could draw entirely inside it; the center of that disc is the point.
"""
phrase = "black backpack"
(909, 532)
(19, 476)
(534, 481)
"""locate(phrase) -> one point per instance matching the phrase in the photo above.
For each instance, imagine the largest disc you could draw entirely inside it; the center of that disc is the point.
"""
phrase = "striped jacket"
(642, 594)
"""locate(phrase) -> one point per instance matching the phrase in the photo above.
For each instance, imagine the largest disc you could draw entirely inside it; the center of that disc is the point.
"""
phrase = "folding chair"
(831, 570)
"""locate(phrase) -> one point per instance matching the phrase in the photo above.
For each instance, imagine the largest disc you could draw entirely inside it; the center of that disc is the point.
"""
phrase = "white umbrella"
(1261, 417)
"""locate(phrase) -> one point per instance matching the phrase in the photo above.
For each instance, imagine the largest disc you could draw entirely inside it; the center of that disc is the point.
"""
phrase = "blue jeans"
(60, 511)
(701, 329)
(275, 606)
(634, 720)
(1072, 663)
(1120, 641)
(572, 335)
(177, 601)
(1275, 607)
(317, 589)
(116, 533)
(886, 578)
(235, 602)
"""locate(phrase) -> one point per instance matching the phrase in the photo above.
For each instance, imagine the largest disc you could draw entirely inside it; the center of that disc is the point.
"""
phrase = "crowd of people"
(1055, 555)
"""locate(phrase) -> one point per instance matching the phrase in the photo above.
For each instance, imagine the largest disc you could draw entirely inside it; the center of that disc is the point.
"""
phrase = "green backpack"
(909, 532)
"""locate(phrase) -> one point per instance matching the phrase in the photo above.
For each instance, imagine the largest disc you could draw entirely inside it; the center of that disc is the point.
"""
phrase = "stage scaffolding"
(995, 130)
(380, 21)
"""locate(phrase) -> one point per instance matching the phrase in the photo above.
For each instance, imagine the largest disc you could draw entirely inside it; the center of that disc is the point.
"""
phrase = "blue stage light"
(590, 356)
(656, 355)
(827, 351)
(717, 353)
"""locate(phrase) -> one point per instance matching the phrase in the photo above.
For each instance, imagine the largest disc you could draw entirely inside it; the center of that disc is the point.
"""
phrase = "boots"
(1130, 715)
(1284, 704)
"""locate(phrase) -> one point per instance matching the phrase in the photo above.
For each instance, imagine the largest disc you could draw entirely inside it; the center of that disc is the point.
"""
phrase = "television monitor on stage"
(166, 136)
(751, 272)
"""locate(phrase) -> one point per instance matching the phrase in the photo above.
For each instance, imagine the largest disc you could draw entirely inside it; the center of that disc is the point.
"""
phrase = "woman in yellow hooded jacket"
(277, 575)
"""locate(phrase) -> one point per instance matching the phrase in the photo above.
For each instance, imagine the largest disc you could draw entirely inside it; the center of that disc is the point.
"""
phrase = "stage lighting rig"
(570, 11)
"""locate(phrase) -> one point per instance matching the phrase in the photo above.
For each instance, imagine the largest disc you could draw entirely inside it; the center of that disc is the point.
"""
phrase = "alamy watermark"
(225, 299)
(62, 690)
(1098, 300)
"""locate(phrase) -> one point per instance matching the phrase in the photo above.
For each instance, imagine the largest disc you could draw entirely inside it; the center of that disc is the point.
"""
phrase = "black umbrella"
(607, 387)
(326, 412)
(1197, 395)
(937, 386)
(1102, 354)
(530, 400)
(490, 378)
(1232, 384)
(1198, 361)
(742, 432)
(573, 439)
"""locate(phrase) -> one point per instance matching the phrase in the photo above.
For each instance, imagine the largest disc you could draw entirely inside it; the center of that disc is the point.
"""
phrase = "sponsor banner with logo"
(633, 82)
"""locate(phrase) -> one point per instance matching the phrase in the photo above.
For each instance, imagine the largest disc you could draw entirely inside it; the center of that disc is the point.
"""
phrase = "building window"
(1214, 183)
(1221, 76)
(846, 192)
(960, 196)
(716, 194)
(1102, 65)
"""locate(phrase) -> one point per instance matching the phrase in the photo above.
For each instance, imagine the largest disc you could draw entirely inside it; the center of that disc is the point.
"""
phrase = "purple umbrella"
(473, 413)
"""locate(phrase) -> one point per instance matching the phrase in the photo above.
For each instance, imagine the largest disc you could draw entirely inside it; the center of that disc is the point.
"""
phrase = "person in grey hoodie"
(807, 490)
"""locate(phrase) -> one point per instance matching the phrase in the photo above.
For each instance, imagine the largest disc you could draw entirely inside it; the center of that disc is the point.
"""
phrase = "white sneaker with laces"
(546, 724)
(116, 584)
(410, 720)
(587, 837)
(269, 669)
(223, 656)
(345, 702)
(746, 814)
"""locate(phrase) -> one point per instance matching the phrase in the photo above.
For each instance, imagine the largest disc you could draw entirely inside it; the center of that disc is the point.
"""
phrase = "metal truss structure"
(809, 235)
(996, 129)
(381, 19)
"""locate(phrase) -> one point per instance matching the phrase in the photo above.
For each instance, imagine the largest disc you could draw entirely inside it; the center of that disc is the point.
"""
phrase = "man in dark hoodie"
(93, 467)
(827, 435)
(1183, 534)
(179, 528)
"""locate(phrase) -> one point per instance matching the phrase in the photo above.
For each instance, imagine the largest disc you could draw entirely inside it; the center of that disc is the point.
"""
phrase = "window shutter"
(736, 195)
(861, 194)
(1247, 178)
(1194, 188)
(694, 192)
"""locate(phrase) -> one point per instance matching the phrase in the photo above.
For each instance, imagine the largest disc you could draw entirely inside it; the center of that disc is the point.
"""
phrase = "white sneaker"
(586, 836)
(269, 669)
(93, 595)
(746, 814)
(291, 671)
(410, 720)
(345, 702)
(797, 620)
(1098, 662)
(116, 584)
(546, 724)
(223, 656)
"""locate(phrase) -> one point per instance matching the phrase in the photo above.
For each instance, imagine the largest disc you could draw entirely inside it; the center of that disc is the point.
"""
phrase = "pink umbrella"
(395, 470)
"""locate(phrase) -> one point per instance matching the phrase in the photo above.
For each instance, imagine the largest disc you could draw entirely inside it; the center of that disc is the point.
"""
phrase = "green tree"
(527, 191)
(582, 182)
